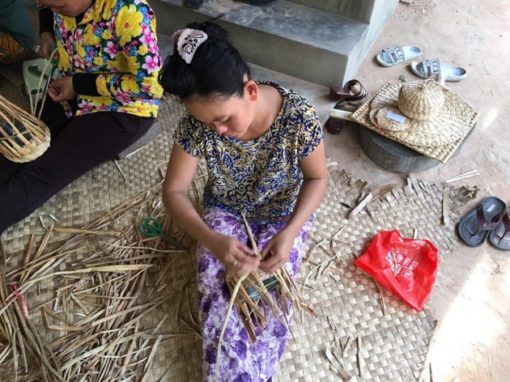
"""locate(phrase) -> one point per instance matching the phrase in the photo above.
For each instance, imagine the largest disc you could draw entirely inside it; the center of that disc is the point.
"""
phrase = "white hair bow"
(188, 40)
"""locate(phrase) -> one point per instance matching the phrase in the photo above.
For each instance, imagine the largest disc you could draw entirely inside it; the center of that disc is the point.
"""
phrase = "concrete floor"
(471, 300)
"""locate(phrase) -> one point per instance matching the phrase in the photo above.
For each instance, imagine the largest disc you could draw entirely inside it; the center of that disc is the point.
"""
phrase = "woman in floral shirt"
(105, 97)
(263, 146)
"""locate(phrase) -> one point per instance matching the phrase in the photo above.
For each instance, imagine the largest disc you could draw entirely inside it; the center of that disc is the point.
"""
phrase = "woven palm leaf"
(252, 310)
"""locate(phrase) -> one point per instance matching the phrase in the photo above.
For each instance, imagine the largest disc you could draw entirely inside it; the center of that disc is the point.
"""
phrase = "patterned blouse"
(116, 40)
(260, 177)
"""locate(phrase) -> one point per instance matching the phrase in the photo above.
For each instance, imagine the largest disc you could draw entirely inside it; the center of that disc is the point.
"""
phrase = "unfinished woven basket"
(422, 100)
(23, 137)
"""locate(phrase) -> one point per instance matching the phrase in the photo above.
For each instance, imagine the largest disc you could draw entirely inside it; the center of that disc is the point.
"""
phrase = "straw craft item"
(95, 327)
(421, 101)
(23, 137)
(423, 116)
(251, 311)
(395, 340)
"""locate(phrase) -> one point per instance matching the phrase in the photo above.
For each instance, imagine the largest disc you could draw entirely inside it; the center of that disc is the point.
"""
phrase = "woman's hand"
(62, 89)
(47, 41)
(235, 256)
(277, 251)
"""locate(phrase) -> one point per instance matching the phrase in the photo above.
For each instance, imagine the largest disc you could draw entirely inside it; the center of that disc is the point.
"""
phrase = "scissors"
(152, 227)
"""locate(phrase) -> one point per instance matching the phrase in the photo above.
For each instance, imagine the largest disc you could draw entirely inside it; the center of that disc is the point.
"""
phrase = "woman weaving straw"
(105, 97)
(265, 156)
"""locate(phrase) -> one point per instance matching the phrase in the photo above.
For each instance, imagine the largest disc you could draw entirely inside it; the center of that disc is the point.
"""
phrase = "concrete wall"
(293, 58)
(355, 9)
(381, 12)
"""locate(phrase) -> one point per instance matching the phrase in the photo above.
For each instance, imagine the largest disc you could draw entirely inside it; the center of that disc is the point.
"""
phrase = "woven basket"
(23, 137)
(422, 100)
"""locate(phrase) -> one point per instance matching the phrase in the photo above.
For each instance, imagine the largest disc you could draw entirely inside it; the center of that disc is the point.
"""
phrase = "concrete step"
(291, 38)
(356, 9)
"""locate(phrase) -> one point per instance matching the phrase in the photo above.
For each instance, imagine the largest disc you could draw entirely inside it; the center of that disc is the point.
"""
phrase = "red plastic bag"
(406, 267)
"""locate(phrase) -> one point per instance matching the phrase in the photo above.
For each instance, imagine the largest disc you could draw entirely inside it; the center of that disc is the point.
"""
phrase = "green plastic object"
(152, 227)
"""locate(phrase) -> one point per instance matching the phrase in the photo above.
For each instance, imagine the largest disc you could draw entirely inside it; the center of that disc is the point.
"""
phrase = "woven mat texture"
(394, 345)
(440, 152)
(102, 188)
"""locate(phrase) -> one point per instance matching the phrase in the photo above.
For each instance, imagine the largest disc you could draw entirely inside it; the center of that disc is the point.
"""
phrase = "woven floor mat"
(393, 346)
(102, 188)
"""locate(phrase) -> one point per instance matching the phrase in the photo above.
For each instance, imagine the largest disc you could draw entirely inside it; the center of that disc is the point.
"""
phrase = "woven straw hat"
(420, 113)
(434, 137)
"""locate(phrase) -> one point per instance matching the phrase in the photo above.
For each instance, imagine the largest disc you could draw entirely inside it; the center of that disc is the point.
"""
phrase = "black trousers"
(78, 144)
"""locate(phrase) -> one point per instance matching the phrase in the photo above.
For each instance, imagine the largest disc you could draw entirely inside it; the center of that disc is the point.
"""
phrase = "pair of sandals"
(489, 219)
(432, 68)
(349, 98)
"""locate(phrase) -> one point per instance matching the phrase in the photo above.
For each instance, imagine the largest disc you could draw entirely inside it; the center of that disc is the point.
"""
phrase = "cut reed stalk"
(248, 309)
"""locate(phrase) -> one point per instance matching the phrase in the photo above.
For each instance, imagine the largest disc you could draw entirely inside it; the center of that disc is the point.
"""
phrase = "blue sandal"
(500, 236)
(475, 226)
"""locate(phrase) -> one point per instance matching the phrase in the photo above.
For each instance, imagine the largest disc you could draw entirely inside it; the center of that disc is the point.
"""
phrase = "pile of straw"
(253, 312)
(104, 280)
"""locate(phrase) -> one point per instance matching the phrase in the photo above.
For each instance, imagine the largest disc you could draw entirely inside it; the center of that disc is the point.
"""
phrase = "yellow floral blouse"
(260, 177)
(116, 40)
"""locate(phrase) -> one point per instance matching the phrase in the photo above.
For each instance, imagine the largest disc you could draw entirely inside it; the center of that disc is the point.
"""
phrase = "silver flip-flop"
(434, 69)
(397, 54)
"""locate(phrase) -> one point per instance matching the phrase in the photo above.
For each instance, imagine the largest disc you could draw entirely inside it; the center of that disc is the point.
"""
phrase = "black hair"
(217, 67)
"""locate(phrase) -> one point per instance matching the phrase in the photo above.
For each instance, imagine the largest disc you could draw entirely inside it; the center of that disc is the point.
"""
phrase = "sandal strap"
(347, 105)
(395, 53)
(345, 93)
(431, 67)
(353, 83)
(506, 220)
(483, 223)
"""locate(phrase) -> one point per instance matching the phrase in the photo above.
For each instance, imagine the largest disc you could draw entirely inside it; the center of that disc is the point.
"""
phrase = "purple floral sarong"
(240, 360)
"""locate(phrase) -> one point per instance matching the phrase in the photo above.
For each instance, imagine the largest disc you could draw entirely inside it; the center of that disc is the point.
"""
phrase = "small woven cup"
(421, 101)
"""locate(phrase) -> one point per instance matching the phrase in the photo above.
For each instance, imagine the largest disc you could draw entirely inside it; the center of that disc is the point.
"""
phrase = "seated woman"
(17, 38)
(265, 156)
(106, 96)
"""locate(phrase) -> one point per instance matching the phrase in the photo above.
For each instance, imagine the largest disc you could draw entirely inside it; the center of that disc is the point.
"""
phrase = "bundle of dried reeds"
(253, 312)
(104, 281)
(250, 310)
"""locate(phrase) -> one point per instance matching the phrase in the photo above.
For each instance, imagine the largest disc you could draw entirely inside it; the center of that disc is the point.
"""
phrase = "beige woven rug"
(393, 345)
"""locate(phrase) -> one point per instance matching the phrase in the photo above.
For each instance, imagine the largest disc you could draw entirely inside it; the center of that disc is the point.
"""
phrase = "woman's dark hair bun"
(217, 68)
